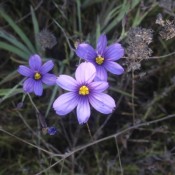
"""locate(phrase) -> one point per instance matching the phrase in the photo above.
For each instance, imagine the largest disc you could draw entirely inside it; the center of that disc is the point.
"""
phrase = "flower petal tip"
(101, 44)
(35, 62)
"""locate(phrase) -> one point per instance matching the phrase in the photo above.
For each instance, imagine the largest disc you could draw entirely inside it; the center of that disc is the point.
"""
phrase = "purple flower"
(37, 74)
(51, 130)
(83, 92)
(103, 57)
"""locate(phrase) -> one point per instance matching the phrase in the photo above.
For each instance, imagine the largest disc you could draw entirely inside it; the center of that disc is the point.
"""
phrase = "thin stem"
(163, 56)
(95, 148)
(61, 171)
(107, 138)
(66, 155)
(89, 131)
(62, 29)
(157, 57)
(33, 103)
(24, 141)
(72, 164)
(132, 99)
(38, 125)
(79, 15)
(23, 98)
(27, 15)
(120, 163)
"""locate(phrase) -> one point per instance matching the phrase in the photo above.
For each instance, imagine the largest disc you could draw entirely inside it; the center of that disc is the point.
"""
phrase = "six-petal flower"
(103, 57)
(37, 74)
(83, 91)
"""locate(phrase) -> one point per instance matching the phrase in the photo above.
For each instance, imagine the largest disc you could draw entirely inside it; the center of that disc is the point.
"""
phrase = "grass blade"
(35, 26)
(18, 30)
(14, 41)
(14, 49)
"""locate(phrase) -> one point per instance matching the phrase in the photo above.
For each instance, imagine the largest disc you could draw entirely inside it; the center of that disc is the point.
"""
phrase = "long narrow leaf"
(8, 92)
(14, 49)
(35, 26)
(11, 92)
(18, 30)
(14, 41)
(79, 15)
(9, 77)
(125, 8)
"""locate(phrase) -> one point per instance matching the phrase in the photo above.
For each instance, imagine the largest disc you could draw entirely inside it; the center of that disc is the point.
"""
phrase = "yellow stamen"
(37, 76)
(84, 90)
(99, 59)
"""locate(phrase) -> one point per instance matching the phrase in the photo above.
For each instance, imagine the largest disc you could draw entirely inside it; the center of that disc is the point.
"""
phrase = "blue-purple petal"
(113, 67)
(85, 73)
(114, 52)
(102, 103)
(52, 130)
(98, 86)
(101, 74)
(35, 62)
(25, 71)
(46, 67)
(86, 52)
(28, 85)
(101, 44)
(65, 103)
(66, 82)
(38, 88)
(49, 79)
(83, 111)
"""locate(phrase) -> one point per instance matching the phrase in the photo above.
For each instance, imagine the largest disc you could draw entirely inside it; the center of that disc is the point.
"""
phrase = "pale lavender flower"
(103, 57)
(83, 93)
(37, 74)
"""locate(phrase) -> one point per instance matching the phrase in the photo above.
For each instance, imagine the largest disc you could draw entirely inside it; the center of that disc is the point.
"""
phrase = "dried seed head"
(160, 20)
(133, 66)
(138, 40)
(138, 34)
(138, 52)
(168, 30)
(46, 39)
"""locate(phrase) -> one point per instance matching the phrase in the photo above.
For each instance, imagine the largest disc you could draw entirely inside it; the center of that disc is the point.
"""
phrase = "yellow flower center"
(84, 90)
(37, 76)
(99, 59)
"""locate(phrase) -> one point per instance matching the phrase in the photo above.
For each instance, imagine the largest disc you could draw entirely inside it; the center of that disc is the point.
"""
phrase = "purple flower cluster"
(87, 89)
